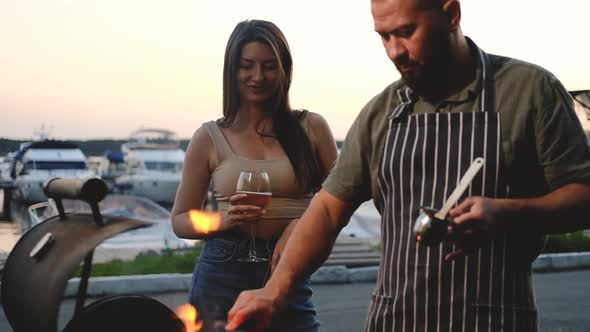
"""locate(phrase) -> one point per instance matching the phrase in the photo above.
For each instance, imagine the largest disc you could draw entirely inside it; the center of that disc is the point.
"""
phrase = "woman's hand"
(240, 214)
(281, 243)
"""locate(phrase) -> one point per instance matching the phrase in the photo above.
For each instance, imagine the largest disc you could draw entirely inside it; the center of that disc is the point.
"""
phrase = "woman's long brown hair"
(285, 122)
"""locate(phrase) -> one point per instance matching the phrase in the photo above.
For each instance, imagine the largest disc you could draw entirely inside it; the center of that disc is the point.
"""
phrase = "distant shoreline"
(91, 147)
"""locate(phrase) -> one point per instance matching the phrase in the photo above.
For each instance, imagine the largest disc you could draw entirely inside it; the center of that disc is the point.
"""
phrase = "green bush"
(167, 261)
(568, 242)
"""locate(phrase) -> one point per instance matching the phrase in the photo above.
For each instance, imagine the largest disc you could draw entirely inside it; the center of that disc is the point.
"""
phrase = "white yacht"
(153, 160)
(5, 163)
(38, 161)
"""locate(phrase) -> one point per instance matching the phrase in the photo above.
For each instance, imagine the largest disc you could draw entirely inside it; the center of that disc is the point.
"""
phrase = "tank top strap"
(222, 147)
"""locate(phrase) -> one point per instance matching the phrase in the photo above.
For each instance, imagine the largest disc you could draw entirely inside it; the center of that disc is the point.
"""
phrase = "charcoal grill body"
(37, 270)
(125, 314)
(33, 287)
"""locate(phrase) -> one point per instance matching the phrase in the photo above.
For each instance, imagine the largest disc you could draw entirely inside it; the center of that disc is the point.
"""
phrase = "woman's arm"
(192, 191)
(199, 162)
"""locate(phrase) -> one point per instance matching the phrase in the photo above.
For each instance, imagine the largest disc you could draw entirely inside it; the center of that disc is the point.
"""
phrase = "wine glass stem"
(252, 252)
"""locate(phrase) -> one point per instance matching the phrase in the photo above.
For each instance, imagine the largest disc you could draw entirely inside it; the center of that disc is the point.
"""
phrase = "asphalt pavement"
(563, 299)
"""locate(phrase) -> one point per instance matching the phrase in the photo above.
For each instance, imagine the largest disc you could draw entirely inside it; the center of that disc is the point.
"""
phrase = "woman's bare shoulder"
(317, 122)
(201, 144)
(202, 137)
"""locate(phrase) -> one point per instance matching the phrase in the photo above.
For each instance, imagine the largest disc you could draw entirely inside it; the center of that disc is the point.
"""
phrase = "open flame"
(188, 315)
(205, 222)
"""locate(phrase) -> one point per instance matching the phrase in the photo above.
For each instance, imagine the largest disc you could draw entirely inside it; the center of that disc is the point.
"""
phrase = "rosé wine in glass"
(261, 200)
(256, 186)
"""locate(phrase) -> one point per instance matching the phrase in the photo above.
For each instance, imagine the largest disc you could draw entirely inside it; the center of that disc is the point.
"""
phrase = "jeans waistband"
(241, 239)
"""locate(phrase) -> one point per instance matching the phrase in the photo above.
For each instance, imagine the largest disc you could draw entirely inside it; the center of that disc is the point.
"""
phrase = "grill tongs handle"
(431, 225)
(460, 189)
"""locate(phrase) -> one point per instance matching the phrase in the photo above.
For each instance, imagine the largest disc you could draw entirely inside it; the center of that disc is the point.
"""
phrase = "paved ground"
(563, 299)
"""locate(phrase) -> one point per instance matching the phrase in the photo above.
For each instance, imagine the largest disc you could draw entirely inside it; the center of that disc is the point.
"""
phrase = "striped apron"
(424, 157)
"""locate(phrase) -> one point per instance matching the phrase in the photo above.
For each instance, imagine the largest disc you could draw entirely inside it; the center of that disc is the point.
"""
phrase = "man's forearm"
(565, 209)
(310, 243)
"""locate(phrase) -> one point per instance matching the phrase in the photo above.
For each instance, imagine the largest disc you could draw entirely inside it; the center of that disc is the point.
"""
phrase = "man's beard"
(429, 76)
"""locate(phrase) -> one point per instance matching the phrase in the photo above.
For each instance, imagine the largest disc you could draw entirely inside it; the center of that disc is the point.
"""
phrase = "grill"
(38, 268)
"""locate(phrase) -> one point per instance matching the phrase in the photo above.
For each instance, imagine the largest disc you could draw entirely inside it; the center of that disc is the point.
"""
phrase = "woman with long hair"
(258, 131)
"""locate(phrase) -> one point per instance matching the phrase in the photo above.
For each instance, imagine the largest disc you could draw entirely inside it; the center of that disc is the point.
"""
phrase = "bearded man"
(409, 147)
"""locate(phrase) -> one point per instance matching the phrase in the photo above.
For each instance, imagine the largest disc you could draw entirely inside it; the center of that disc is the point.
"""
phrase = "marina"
(142, 175)
(356, 245)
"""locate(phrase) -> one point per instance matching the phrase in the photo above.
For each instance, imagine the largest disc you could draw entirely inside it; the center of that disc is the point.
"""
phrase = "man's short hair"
(430, 4)
(424, 4)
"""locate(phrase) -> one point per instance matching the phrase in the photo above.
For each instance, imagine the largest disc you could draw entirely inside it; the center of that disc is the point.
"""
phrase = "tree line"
(96, 147)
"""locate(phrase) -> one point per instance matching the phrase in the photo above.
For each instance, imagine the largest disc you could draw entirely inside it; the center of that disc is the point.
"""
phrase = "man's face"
(415, 38)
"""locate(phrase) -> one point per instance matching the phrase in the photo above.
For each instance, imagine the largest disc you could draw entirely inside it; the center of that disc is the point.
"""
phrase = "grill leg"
(83, 287)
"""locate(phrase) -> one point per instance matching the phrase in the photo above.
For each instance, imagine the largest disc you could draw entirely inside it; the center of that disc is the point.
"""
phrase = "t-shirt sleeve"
(562, 146)
(350, 179)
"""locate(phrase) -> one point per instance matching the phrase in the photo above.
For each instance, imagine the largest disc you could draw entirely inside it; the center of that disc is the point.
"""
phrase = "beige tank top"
(289, 199)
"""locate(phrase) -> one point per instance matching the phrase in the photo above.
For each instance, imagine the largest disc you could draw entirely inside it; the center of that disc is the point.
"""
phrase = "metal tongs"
(431, 225)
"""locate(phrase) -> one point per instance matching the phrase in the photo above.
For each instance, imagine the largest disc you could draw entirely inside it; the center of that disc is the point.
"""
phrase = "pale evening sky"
(101, 69)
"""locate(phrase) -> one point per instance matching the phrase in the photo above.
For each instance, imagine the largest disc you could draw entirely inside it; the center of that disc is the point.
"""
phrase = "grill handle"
(91, 190)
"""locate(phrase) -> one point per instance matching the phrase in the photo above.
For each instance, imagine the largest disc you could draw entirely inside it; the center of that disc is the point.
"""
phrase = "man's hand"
(281, 243)
(255, 309)
(476, 220)
(312, 239)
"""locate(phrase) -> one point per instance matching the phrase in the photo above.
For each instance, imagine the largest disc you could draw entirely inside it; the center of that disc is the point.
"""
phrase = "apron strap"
(488, 91)
(406, 106)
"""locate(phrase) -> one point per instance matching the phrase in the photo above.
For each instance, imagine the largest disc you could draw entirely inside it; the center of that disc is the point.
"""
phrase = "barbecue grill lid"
(32, 287)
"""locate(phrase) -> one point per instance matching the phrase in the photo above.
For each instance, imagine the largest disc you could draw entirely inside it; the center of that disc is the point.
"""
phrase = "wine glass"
(256, 185)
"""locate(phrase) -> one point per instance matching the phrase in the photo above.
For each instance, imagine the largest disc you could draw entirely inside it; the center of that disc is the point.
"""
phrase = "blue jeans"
(219, 278)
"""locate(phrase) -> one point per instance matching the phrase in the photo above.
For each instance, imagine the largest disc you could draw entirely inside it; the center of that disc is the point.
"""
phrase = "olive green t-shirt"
(544, 146)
